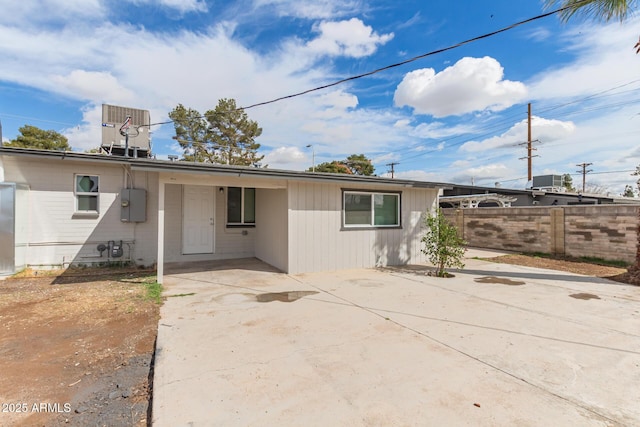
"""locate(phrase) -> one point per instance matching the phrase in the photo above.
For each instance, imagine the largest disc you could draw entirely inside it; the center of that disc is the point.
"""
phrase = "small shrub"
(154, 291)
(442, 245)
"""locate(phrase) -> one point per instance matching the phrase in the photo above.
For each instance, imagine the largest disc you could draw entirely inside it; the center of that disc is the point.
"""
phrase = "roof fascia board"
(289, 175)
(165, 166)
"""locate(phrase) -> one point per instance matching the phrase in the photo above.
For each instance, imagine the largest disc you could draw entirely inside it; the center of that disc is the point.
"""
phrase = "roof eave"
(164, 166)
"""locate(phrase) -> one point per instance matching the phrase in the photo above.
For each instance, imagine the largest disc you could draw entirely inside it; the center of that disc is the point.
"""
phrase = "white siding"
(272, 228)
(298, 224)
(56, 235)
(146, 233)
(317, 241)
(229, 242)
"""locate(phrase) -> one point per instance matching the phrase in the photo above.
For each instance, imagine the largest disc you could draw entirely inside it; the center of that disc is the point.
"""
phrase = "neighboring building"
(67, 208)
(474, 196)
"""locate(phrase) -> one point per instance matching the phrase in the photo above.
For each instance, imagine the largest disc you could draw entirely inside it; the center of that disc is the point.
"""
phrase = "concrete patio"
(240, 344)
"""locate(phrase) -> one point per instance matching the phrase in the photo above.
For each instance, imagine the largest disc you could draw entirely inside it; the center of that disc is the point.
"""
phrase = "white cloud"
(338, 100)
(348, 38)
(604, 58)
(415, 19)
(94, 61)
(86, 135)
(384, 159)
(437, 130)
(403, 123)
(287, 158)
(93, 86)
(471, 84)
(486, 172)
(335, 104)
(34, 12)
(460, 164)
(539, 34)
(543, 130)
(634, 154)
(417, 175)
(310, 9)
(182, 6)
(432, 130)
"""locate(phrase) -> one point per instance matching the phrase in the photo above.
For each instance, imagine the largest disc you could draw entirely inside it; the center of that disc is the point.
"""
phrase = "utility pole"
(584, 172)
(391, 165)
(529, 146)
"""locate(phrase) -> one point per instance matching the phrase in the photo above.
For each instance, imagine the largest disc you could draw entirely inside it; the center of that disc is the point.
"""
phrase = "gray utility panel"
(134, 205)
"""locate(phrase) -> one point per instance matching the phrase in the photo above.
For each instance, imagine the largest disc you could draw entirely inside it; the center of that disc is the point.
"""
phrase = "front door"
(197, 219)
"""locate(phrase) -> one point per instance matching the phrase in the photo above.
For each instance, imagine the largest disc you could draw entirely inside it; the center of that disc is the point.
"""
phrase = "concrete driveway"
(240, 344)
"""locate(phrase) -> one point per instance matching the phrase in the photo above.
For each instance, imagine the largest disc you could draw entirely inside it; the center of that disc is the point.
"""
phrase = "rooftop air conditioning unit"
(547, 182)
(115, 135)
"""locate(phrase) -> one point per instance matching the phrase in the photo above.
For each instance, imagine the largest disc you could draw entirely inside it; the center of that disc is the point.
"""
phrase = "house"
(63, 208)
(456, 196)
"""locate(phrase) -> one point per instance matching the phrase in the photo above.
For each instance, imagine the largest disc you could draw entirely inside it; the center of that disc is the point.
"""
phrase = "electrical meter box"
(133, 202)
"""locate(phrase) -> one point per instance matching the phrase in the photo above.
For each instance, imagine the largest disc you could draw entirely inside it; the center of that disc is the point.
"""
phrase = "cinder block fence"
(602, 231)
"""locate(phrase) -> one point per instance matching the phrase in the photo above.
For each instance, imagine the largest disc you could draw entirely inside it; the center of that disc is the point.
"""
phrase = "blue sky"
(458, 116)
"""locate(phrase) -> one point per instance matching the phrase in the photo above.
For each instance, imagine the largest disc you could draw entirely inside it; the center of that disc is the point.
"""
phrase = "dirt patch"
(584, 296)
(617, 274)
(499, 280)
(76, 349)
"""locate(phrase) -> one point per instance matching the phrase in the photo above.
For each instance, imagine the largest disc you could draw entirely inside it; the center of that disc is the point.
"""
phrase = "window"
(369, 209)
(241, 206)
(86, 190)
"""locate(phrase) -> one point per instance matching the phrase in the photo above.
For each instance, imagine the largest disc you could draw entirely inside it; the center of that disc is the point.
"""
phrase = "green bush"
(442, 245)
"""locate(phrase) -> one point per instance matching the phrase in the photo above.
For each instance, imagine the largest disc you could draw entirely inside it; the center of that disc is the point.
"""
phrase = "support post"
(160, 257)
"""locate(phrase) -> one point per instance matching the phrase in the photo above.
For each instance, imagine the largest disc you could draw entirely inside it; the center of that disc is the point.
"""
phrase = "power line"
(415, 58)
(398, 64)
(497, 126)
(595, 95)
(14, 116)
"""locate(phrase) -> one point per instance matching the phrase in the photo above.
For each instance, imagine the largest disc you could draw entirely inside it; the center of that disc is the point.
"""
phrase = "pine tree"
(224, 135)
(233, 135)
(34, 137)
(355, 164)
(192, 134)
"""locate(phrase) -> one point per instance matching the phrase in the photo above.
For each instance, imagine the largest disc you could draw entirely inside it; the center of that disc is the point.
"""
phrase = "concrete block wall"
(602, 231)
(605, 231)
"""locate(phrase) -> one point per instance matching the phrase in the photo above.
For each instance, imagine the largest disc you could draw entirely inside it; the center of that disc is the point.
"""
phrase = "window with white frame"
(87, 192)
(371, 209)
(241, 207)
